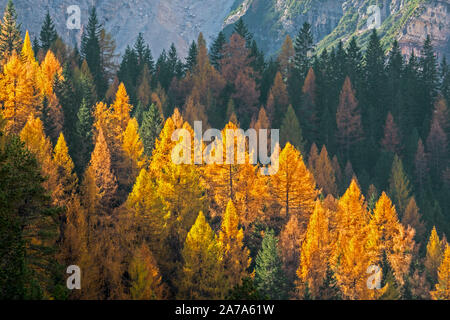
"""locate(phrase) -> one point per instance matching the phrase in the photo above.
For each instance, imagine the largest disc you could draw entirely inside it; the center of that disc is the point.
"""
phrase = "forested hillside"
(87, 178)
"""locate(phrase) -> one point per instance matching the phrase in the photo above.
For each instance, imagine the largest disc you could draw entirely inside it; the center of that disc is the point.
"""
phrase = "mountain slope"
(165, 21)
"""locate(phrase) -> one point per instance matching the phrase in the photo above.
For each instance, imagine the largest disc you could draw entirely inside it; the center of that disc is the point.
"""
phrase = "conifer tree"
(48, 33)
(10, 38)
(235, 256)
(286, 57)
(278, 101)
(315, 254)
(40, 146)
(291, 131)
(433, 257)
(202, 274)
(421, 166)
(324, 173)
(146, 282)
(304, 48)
(134, 149)
(442, 289)
(270, 279)
(348, 118)
(391, 141)
(191, 59)
(413, 218)
(291, 237)
(399, 186)
(84, 130)
(90, 51)
(102, 174)
(308, 111)
(66, 179)
(150, 128)
(215, 53)
(293, 186)
(17, 94)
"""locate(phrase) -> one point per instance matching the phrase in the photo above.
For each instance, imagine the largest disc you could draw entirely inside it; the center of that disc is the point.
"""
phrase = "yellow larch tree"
(442, 289)
(146, 281)
(293, 186)
(49, 68)
(17, 94)
(433, 257)
(393, 241)
(102, 174)
(236, 258)
(315, 254)
(202, 274)
(66, 178)
(39, 144)
(228, 179)
(355, 248)
(121, 109)
(289, 244)
(134, 149)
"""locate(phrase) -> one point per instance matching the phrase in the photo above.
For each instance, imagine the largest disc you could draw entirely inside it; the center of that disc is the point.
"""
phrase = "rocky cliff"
(165, 21)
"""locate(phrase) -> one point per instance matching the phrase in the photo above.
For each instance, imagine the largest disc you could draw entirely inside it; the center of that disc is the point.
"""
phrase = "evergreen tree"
(241, 29)
(215, 52)
(399, 186)
(291, 131)
(10, 37)
(270, 279)
(304, 49)
(150, 128)
(191, 60)
(48, 33)
(91, 52)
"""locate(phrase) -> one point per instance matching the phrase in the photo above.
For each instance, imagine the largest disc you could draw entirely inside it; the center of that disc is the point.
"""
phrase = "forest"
(86, 177)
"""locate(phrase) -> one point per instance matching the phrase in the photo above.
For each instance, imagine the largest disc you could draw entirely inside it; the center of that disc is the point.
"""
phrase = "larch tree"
(66, 178)
(146, 281)
(348, 118)
(236, 258)
(391, 141)
(278, 101)
(437, 146)
(134, 149)
(201, 276)
(286, 57)
(392, 240)
(308, 111)
(270, 279)
(412, 217)
(293, 186)
(350, 258)
(291, 238)
(315, 254)
(36, 141)
(442, 289)
(17, 94)
(291, 131)
(399, 186)
(103, 176)
(433, 257)
(324, 173)
(421, 166)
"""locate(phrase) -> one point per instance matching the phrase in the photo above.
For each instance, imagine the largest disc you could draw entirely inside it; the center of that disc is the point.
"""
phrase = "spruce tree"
(241, 29)
(10, 37)
(151, 127)
(48, 33)
(90, 51)
(191, 60)
(270, 279)
(291, 131)
(215, 52)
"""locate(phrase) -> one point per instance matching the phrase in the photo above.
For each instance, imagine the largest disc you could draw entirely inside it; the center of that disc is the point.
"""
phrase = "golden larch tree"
(293, 186)
(17, 94)
(236, 258)
(442, 289)
(134, 149)
(202, 274)
(315, 254)
(433, 257)
(66, 178)
(146, 281)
